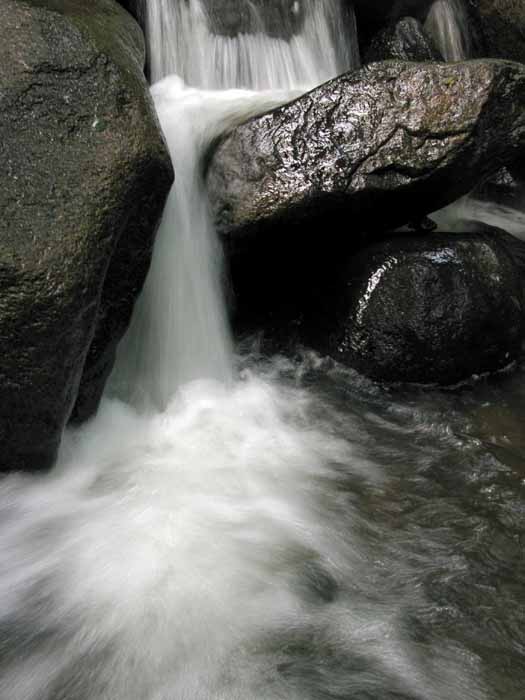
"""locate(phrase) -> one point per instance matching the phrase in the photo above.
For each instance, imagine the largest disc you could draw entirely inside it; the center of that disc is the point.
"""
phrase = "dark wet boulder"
(375, 148)
(404, 40)
(498, 28)
(84, 179)
(436, 308)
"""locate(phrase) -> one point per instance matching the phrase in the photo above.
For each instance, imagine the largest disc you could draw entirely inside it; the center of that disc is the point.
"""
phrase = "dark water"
(307, 534)
(445, 530)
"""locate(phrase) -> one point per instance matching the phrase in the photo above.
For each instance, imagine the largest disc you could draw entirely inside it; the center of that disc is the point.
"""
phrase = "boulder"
(404, 40)
(85, 176)
(431, 309)
(376, 148)
(498, 28)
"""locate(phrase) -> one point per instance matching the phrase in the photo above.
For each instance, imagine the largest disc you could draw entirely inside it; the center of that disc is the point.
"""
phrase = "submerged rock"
(85, 176)
(377, 147)
(404, 40)
(436, 308)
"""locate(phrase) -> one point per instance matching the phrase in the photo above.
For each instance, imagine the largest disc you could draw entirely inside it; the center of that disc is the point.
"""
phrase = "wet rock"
(404, 40)
(498, 28)
(427, 309)
(85, 175)
(374, 148)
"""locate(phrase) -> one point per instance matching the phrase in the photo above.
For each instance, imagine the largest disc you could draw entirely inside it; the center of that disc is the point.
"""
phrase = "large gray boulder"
(378, 147)
(84, 180)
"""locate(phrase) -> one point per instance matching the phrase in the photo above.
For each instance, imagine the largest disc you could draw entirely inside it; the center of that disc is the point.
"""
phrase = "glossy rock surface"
(435, 308)
(85, 176)
(378, 147)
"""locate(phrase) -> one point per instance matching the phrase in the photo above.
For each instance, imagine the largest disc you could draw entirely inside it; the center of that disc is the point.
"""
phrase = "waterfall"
(179, 331)
(447, 22)
(293, 533)
(182, 40)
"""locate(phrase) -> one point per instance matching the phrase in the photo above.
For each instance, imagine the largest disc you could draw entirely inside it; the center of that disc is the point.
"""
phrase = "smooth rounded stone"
(498, 28)
(84, 180)
(404, 40)
(375, 148)
(431, 309)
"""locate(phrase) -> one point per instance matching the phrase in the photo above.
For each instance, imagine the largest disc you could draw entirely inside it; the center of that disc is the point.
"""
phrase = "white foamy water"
(193, 553)
(159, 547)
(179, 331)
(447, 22)
(470, 209)
(182, 41)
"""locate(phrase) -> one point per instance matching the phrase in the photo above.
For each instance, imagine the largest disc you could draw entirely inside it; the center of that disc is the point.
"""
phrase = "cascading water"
(182, 40)
(179, 331)
(242, 537)
(181, 313)
(447, 22)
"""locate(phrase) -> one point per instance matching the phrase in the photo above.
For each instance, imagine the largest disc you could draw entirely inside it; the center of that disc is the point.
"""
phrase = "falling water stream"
(183, 41)
(447, 22)
(233, 527)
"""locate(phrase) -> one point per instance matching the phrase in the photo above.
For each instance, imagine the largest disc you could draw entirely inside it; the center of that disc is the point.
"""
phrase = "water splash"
(470, 209)
(226, 549)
